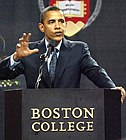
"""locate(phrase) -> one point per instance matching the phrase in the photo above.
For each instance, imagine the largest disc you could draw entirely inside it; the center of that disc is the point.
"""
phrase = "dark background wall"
(105, 37)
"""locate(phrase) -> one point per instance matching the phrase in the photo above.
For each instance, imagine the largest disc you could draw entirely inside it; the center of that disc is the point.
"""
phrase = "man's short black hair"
(47, 9)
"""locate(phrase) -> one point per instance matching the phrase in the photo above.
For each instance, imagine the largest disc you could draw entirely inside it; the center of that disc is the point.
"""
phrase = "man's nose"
(57, 25)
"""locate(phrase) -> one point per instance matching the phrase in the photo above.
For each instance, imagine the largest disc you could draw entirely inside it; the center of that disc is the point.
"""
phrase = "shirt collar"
(58, 46)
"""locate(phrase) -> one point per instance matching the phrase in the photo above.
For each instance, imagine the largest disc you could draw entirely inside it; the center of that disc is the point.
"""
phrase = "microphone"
(49, 50)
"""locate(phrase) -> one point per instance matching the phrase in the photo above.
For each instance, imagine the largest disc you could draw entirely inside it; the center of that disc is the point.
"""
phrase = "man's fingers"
(28, 37)
(18, 45)
(24, 36)
(34, 51)
(123, 93)
(123, 97)
(21, 40)
(24, 40)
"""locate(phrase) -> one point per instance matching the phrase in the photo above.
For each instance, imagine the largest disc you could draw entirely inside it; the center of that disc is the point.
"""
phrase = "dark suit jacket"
(74, 59)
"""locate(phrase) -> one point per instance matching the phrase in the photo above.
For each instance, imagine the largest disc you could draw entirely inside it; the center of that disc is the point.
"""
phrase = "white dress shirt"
(57, 47)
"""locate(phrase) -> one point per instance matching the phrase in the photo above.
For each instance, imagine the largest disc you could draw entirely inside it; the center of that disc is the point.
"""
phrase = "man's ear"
(41, 27)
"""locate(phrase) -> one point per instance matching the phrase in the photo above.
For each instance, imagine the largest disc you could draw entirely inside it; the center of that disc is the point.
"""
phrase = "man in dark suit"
(73, 58)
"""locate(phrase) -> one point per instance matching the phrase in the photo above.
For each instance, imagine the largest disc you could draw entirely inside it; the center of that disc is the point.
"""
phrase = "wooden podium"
(61, 114)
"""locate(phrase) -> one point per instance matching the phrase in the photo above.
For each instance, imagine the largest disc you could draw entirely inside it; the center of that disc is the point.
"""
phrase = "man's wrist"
(13, 63)
(15, 58)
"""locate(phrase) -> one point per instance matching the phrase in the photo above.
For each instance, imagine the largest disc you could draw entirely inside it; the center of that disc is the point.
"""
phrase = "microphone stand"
(44, 59)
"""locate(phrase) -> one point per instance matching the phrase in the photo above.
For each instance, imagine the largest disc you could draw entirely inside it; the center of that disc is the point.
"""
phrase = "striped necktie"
(52, 66)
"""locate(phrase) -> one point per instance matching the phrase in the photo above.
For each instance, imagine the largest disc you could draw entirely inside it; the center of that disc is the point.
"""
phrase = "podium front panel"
(70, 114)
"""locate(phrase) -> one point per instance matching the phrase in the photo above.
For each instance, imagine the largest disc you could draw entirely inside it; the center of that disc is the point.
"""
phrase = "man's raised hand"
(22, 49)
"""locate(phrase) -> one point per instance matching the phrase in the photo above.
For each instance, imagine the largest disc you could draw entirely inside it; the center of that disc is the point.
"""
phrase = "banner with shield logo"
(79, 14)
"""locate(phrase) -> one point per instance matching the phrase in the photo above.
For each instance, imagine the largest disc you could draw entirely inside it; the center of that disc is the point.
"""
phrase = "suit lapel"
(46, 75)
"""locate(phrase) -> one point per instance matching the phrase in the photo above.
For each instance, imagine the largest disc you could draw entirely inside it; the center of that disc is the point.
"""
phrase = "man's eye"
(50, 22)
(62, 21)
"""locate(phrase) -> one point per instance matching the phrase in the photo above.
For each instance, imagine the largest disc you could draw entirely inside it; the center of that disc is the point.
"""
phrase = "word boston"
(62, 119)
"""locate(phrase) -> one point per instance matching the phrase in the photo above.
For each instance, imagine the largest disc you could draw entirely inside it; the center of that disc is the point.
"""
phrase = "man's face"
(53, 26)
